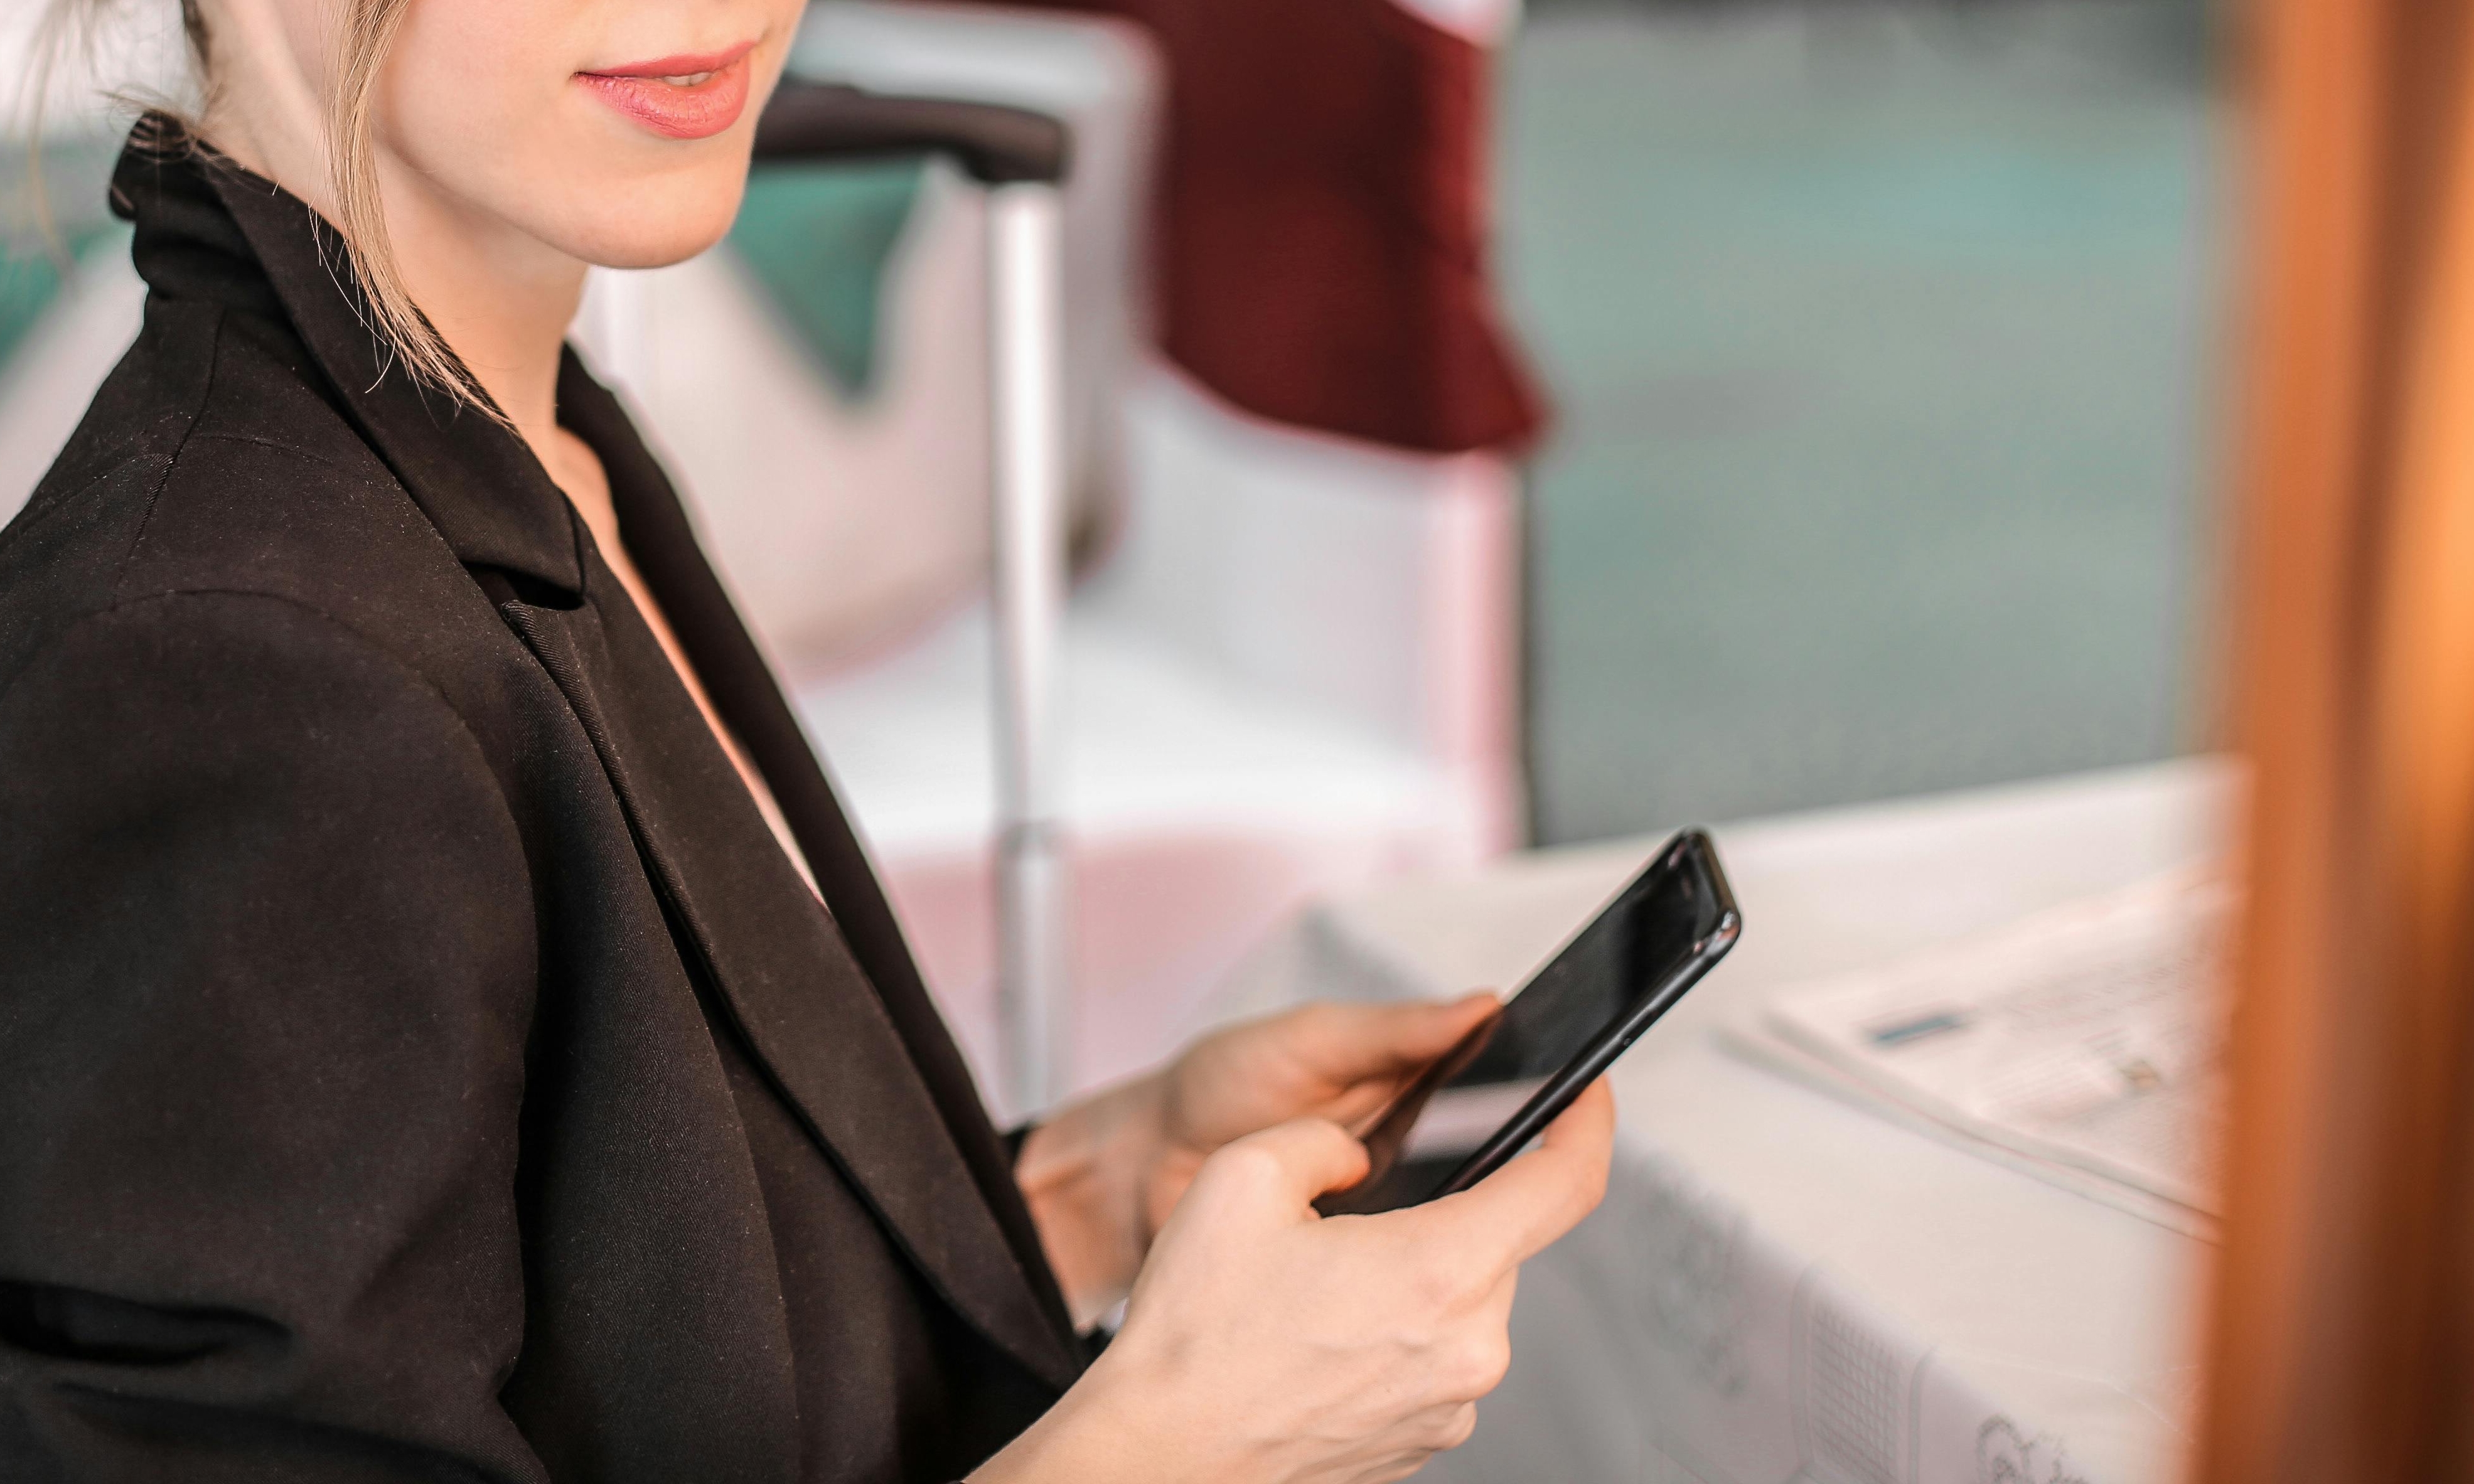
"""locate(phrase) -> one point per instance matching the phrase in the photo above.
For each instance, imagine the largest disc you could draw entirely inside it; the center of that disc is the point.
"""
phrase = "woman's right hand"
(1265, 1345)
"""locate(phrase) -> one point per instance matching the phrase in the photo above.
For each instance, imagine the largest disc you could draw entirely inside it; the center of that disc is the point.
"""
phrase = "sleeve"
(267, 962)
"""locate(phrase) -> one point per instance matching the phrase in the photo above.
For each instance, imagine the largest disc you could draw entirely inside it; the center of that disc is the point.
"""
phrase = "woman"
(446, 1028)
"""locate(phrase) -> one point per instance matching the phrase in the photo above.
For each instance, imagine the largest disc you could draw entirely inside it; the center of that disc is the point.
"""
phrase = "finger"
(1541, 1195)
(1301, 1159)
(1351, 1043)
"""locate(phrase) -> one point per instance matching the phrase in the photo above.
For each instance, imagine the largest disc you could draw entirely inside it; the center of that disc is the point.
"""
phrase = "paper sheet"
(2086, 1041)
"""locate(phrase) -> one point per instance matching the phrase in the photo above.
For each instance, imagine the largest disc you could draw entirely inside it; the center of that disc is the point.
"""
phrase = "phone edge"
(1566, 1085)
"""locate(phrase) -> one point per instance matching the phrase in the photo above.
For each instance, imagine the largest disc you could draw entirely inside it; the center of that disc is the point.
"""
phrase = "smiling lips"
(679, 97)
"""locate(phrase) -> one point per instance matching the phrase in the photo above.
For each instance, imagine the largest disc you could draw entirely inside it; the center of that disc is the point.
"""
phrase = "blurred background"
(1880, 338)
(1488, 426)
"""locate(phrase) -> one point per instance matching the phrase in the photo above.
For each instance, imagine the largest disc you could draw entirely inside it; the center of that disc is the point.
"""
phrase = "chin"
(656, 238)
(659, 252)
(634, 224)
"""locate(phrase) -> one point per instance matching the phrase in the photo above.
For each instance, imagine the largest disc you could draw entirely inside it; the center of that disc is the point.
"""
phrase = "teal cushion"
(30, 278)
(818, 239)
(76, 176)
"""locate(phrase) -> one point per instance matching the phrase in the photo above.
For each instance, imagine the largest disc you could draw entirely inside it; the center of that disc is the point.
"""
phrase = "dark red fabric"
(1322, 224)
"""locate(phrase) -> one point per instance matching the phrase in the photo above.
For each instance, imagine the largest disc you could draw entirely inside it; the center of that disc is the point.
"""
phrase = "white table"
(1781, 1285)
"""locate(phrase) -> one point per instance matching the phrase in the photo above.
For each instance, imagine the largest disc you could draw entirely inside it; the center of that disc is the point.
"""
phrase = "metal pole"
(1027, 377)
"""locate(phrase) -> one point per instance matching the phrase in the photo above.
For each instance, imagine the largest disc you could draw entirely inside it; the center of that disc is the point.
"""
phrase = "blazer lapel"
(743, 690)
(778, 966)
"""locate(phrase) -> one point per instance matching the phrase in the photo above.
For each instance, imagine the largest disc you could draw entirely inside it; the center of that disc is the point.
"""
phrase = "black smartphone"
(1467, 1115)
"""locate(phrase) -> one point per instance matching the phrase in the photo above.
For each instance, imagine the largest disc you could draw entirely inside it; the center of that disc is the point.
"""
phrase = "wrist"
(1083, 1174)
(1109, 1429)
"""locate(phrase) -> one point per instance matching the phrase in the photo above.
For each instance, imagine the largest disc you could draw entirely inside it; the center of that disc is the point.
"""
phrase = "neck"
(501, 299)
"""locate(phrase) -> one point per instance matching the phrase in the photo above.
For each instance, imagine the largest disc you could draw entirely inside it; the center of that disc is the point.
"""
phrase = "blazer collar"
(207, 229)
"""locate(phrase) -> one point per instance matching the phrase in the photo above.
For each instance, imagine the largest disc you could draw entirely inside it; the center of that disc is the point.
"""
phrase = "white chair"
(1295, 674)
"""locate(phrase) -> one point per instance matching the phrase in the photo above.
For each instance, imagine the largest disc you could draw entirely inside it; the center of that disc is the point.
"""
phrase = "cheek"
(470, 84)
(479, 98)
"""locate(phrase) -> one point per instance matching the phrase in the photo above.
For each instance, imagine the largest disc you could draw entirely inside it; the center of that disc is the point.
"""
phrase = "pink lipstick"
(678, 97)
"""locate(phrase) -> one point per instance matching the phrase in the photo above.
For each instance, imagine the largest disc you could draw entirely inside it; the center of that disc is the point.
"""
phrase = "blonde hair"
(363, 41)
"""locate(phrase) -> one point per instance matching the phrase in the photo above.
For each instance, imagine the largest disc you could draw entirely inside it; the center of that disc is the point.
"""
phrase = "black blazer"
(416, 1058)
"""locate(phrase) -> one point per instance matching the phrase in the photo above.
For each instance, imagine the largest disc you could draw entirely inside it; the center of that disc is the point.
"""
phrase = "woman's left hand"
(1103, 1175)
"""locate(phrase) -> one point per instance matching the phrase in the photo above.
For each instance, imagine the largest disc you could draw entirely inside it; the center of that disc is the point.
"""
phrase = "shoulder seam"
(197, 415)
(255, 441)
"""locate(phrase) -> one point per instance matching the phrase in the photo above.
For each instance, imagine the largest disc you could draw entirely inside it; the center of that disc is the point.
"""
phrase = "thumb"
(1355, 1041)
(1290, 1162)
(1521, 1209)
(1436, 1028)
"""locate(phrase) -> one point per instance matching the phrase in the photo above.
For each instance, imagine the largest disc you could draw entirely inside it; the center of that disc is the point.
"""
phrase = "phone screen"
(1607, 985)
